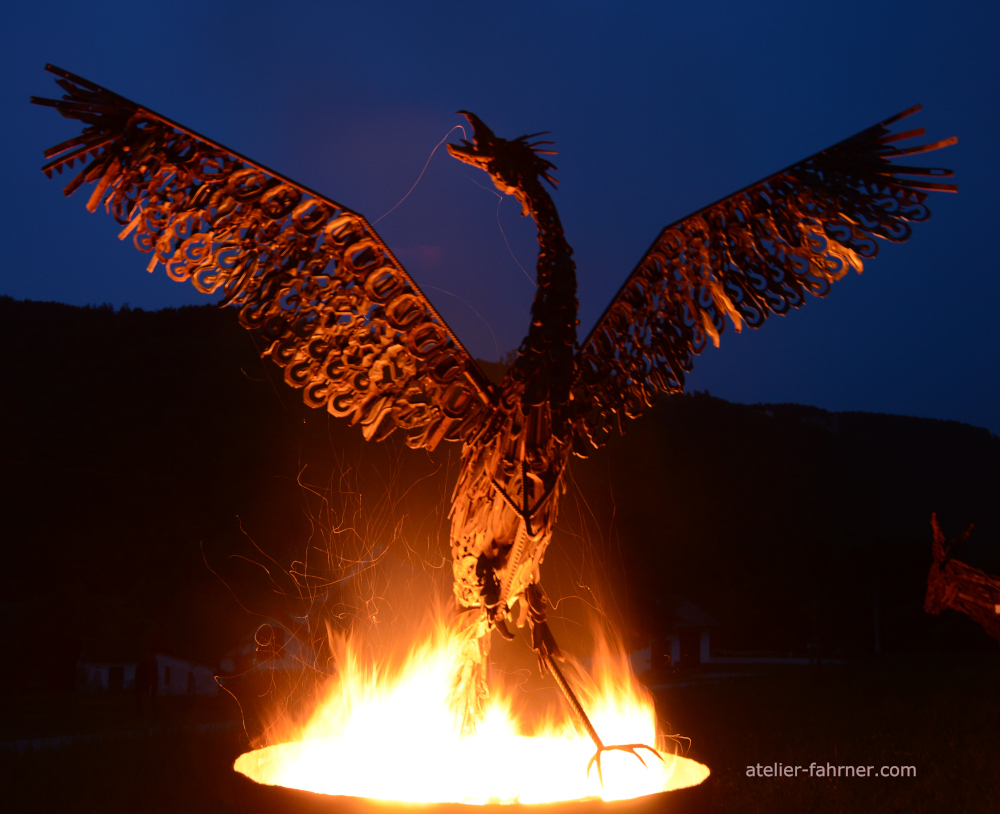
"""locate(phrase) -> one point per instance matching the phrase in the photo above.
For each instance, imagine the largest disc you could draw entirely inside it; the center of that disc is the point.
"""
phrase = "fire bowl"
(252, 797)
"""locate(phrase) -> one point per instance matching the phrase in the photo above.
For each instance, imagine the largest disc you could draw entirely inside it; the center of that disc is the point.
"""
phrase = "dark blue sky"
(657, 109)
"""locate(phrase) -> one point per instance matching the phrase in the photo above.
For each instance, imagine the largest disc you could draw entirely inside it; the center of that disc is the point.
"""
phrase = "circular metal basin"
(252, 797)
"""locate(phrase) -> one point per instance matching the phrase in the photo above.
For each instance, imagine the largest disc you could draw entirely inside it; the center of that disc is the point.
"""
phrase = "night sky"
(657, 110)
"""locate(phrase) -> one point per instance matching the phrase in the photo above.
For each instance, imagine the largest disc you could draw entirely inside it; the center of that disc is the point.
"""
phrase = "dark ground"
(940, 714)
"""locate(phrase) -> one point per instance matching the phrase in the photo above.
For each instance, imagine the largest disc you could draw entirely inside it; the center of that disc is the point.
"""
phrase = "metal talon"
(625, 747)
(544, 644)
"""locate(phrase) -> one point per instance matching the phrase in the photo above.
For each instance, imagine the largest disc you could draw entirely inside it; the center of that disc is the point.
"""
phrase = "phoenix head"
(514, 165)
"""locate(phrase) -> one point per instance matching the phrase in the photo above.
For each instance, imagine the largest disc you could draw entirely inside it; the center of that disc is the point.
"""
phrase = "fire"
(391, 733)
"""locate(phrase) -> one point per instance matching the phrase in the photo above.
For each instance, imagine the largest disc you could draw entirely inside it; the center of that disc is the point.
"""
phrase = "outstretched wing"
(337, 310)
(747, 256)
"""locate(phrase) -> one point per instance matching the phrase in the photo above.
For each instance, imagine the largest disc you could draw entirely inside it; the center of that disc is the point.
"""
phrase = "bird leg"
(544, 644)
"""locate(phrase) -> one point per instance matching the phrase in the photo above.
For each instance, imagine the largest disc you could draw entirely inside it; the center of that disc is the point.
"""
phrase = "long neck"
(547, 353)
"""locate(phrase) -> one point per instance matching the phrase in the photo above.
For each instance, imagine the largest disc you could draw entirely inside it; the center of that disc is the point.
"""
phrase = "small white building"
(106, 666)
(682, 637)
(111, 665)
(177, 676)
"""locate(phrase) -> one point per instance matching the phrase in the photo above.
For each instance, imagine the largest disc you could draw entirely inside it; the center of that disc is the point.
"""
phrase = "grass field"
(939, 714)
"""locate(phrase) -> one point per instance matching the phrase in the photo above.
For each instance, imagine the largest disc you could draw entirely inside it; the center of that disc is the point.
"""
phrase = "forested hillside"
(153, 466)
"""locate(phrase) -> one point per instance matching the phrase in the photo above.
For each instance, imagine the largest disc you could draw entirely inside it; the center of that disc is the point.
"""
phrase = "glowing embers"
(391, 734)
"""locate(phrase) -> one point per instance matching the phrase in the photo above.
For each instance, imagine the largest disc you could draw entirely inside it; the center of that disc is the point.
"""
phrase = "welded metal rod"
(572, 699)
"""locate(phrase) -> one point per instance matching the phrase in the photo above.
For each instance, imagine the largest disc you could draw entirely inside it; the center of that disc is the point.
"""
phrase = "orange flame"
(393, 735)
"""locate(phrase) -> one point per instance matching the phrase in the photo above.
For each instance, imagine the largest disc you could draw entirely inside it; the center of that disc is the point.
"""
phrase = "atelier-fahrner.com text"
(829, 770)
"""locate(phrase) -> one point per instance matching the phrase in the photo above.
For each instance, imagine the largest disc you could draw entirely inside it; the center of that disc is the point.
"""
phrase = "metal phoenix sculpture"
(350, 328)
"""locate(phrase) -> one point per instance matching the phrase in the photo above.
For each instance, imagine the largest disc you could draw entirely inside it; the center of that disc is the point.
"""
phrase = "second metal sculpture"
(352, 330)
(954, 584)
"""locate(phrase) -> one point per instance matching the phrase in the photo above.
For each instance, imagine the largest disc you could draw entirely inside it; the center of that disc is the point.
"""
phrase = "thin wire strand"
(407, 195)
(502, 232)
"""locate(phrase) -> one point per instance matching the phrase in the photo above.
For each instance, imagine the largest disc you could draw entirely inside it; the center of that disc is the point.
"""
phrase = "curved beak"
(477, 152)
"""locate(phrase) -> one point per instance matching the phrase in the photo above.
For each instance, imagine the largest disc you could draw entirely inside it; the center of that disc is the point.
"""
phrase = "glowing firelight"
(391, 734)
